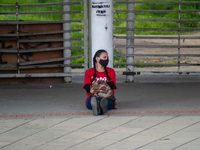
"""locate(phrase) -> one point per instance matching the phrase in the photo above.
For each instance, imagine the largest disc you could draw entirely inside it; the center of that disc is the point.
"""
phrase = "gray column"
(66, 44)
(130, 41)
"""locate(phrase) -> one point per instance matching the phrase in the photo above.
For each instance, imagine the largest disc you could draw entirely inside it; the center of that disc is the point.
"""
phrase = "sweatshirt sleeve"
(87, 77)
(112, 76)
(87, 87)
(111, 84)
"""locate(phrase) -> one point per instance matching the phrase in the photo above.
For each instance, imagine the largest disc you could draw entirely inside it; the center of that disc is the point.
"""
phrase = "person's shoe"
(95, 106)
(103, 105)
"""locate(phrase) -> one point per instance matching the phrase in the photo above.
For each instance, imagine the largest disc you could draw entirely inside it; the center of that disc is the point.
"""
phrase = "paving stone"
(130, 130)
(107, 131)
(178, 123)
(76, 123)
(71, 139)
(158, 146)
(9, 124)
(148, 121)
(16, 135)
(125, 145)
(191, 145)
(43, 123)
(37, 139)
(109, 123)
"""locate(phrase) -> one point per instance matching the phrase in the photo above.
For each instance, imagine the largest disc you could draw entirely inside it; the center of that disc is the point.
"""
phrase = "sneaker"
(95, 106)
(103, 105)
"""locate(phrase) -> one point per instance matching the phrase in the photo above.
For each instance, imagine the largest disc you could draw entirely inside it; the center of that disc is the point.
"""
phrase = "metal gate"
(24, 49)
(131, 45)
(27, 44)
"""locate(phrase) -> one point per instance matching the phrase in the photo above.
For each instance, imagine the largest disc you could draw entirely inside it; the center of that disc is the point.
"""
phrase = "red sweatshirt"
(99, 76)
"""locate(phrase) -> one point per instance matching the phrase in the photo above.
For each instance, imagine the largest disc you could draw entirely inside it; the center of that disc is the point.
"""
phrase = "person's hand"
(94, 88)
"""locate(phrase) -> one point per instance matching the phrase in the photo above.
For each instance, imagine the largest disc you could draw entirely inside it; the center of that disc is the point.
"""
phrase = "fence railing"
(25, 48)
(38, 42)
(130, 38)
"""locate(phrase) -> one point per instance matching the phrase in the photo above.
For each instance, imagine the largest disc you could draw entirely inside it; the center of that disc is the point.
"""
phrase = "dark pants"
(110, 104)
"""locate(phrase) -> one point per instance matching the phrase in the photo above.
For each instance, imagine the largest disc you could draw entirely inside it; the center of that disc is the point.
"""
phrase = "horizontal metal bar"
(133, 11)
(160, 55)
(7, 5)
(48, 60)
(50, 12)
(147, 64)
(40, 49)
(161, 20)
(156, 11)
(8, 35)
(159, 29)
(171, 73)
(158, 46)
(36, 22)
(156, 37)
(40, 12)
(40, 4)
(156, 2)
(48, 49)
(8, 67)
(50, 66)
(42, 40)
(48, 40)
(49, 4)
(157, 64)
(40, 75)
(49, 32)
(8, 50)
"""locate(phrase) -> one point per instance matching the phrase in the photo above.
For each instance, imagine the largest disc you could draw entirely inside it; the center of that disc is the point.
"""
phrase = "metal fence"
(66, 39)
(130, 37)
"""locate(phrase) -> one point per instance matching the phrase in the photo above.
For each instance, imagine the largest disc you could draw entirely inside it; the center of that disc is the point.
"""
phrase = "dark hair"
(97, 54)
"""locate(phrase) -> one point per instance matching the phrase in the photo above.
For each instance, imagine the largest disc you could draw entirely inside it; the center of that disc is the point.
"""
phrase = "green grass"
(141, 15)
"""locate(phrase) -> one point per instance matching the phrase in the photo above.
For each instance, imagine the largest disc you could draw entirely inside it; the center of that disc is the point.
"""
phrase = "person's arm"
(87, 87)
(87, 80)
(111, 84)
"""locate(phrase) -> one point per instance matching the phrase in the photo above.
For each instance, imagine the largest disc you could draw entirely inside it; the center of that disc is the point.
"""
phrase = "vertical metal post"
(66, 36)
(85, 36)
(179, 26)
(90, 39)
(17, 28)
(130, 40)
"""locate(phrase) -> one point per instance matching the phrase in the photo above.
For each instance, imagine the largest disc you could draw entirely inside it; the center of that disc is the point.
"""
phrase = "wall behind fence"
(37, 53)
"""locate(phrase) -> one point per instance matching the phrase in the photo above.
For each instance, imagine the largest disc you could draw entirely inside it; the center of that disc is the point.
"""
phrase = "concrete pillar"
(101, 28)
